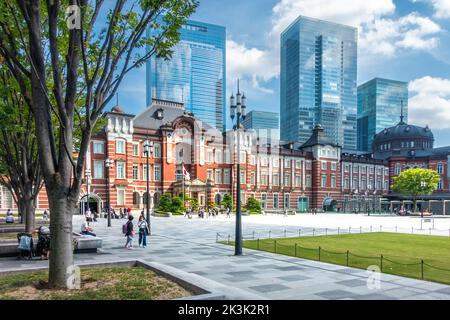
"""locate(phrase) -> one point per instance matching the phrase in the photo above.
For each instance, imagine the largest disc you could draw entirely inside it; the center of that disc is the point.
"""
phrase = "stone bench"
(83, 244)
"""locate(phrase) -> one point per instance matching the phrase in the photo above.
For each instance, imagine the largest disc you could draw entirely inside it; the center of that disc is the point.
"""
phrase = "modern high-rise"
(265, 123)
(380, 104)
(318, 81)
(195, 75)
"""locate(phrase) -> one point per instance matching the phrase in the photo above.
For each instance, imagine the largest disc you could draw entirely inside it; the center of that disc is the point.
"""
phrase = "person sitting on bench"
(86, 229)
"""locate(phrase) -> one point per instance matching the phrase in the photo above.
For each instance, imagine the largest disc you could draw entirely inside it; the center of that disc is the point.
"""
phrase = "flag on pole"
(186, 174)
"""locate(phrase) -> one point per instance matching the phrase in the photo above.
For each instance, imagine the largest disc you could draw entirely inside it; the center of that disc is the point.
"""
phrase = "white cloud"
(430, 104)
(387, 36)
(441, 7)
(350, 12)
(379, 35)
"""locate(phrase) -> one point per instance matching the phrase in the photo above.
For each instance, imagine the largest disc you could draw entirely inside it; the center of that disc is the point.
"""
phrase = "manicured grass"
(402, 253)
(114, 283)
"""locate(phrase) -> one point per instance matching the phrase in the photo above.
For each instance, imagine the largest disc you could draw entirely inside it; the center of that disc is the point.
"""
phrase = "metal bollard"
(275, 245)
(338, 230)
(395, 228)
(381, 228)
(253, 235)
(314, 230)
(257, 245)
(360, 229)
(370, 228)
(300, 232)
(349, 230)
(228, 239)
(270, 233)
(295, 250)
(326, 231)
(285, 233)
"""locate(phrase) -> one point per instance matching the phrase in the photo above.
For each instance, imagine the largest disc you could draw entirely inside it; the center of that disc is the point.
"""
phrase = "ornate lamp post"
(237, 111)
(108, 164)
(148, 149)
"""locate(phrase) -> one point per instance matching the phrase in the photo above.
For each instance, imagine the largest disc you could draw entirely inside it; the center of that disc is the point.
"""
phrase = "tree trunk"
(29, 214)
(61, 250)
(21, 210)
(415, 205)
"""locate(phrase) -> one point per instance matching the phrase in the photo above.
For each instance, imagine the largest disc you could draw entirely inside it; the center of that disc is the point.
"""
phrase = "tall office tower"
(266, 124)
(195, 74)
(379, 106)
(318, 81)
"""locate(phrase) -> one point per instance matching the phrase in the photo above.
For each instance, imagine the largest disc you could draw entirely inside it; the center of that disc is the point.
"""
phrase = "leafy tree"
(416, 182)
(165, 203)
(177, 205)
(253, 205)
(227, 201)
(67, 76)
(194, 204)
(20, 171)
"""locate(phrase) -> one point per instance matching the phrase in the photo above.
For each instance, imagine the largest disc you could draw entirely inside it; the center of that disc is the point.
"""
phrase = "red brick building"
(316, 174)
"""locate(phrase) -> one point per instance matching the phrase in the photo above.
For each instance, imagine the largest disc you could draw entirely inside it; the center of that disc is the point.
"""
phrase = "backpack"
(125, 228)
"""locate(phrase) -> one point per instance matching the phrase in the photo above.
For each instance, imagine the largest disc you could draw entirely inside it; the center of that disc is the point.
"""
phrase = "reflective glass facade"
(265, 123)
(318, 81)
(379, 107)
(195, 74)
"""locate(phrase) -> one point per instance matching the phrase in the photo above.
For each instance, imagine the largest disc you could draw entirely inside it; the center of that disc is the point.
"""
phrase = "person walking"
(143, 231)
(228, 212)
(129, 233)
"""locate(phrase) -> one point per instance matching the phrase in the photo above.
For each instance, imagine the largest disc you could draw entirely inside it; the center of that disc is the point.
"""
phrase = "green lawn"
(402, 253)
(114, 283)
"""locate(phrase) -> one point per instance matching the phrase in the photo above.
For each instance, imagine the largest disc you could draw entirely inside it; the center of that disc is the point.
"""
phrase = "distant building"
(266, 124)
(195, 75)
(379, 103)
(318, 81)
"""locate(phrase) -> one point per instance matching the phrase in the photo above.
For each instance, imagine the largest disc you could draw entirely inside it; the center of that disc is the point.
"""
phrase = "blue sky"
(407, 40)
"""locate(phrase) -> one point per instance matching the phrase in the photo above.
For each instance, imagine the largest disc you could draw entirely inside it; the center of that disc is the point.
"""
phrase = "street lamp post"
(88, 177)
(238, 111)
(148, 149)
(108, 164)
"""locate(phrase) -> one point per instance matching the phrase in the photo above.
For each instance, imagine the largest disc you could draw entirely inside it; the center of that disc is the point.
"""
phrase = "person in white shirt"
(86, 229)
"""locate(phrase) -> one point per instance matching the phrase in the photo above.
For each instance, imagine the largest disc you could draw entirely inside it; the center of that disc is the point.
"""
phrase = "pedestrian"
(143, 231)
(43, 245)
(45, 215)
(86, 229)
(228, 212)
(88, 215)
(129, 233)
(9, 216)
(121, 213)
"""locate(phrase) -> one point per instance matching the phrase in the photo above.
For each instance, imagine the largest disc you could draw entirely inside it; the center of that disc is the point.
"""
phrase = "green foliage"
(194, 204)
(165, 203)
(227, 201)
(253, 205)
(177, 205)
(416, 182)
(169, 204)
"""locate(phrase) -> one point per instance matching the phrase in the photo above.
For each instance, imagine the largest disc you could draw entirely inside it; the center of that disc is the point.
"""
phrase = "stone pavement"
(190, 245)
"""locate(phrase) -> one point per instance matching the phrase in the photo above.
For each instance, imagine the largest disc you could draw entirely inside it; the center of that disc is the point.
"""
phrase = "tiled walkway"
(190, 245)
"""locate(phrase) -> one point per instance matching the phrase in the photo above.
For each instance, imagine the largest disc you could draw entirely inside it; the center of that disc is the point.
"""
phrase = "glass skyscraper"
(318, 81)
(379, 107)
(266, 124)
(195, 74)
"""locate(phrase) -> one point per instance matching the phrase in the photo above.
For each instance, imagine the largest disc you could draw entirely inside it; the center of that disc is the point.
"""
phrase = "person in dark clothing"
(143, 231)
(130, 233)
(43, 245)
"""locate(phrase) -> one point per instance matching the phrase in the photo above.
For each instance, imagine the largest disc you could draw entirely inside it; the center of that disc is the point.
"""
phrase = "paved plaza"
(190, 245)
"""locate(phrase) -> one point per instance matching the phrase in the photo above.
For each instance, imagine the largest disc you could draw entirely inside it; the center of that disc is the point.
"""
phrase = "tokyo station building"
(317, 174)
